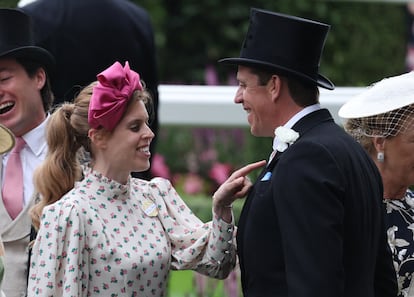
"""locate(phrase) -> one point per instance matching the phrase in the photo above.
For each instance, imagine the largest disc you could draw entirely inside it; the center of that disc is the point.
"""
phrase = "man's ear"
(275, 85)
(98, 138)
(40, 78)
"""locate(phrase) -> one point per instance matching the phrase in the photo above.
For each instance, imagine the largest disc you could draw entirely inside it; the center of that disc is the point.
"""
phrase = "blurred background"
(368, 39)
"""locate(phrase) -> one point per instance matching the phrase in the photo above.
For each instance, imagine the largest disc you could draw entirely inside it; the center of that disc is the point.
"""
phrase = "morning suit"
(313, 223)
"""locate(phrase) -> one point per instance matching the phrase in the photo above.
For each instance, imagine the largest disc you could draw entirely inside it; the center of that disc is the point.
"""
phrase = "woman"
(113, 235)
(382, 120)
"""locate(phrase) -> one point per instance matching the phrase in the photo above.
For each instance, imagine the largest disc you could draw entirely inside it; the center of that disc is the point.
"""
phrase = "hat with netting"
(384, 109)
(386, 95)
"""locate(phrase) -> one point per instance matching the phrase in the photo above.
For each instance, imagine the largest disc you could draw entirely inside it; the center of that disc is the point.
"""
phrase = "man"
(86, 37)
(312, 224)
(25, 98)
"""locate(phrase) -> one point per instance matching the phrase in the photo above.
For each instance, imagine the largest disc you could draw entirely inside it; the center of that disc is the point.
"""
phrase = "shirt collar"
(36, 138)
(293, 120)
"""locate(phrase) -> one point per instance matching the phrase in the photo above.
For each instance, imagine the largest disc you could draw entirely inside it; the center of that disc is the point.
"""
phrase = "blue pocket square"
(267, 176)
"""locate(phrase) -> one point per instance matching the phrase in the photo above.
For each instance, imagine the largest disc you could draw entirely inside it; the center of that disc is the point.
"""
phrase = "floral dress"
(107, 239)
(400, 226)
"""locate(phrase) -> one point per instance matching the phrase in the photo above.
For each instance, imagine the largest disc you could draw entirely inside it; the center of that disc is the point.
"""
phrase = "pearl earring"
(380, 157)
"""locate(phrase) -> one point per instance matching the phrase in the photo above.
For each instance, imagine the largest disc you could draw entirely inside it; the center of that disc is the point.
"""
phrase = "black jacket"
(316, 227)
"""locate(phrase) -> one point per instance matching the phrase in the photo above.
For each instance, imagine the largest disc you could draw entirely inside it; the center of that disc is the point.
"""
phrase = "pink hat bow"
(110, 96)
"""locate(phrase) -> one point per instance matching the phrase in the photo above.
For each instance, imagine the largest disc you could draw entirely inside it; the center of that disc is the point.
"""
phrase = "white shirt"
(33, 153)
(22, 3)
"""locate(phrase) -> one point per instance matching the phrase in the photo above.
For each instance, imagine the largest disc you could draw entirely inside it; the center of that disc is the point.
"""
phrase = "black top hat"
(284, 43)
(16, 38)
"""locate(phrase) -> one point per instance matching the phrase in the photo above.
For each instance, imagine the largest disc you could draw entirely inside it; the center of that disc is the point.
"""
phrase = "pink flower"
(209, 155)
(219, 172)
(159, 167)
(193, 184)
(211, 77)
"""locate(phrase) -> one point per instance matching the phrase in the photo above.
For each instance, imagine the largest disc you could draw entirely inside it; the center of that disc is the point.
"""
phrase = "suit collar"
(311, 120)
(302, 126)
(304, 112)
(297, 117)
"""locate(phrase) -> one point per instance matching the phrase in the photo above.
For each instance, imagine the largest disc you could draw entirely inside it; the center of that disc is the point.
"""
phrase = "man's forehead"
(8, 63)
(246, 74)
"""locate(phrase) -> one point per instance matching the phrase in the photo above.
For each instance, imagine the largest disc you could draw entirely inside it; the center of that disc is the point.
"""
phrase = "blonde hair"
(68, 147)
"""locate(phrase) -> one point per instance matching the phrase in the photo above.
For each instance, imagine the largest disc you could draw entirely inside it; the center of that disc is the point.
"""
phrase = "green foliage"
(195, 149)
(8, 3)
(201, 205)
(367, 40)
(182, 284)
(230, 145)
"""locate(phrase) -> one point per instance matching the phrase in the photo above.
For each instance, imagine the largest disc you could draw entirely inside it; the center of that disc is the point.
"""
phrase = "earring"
(380, 157)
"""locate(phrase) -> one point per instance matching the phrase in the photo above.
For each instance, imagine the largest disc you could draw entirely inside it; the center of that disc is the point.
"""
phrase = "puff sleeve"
(59, 264)
(208, 248)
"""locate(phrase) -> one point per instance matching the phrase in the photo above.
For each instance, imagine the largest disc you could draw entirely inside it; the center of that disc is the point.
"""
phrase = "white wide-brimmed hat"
(6, 139)
(381, 97)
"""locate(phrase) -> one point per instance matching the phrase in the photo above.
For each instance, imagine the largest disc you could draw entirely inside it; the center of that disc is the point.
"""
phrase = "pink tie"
(13, 181)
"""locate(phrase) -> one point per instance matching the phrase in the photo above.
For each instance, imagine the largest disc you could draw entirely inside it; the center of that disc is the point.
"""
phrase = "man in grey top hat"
(25, 98)
(313, 223)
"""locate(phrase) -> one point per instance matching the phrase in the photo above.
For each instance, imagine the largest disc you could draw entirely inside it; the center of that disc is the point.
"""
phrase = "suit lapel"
(302, 126)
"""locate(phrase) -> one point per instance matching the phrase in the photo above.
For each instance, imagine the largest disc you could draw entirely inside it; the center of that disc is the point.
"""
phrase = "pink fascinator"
(111, 95)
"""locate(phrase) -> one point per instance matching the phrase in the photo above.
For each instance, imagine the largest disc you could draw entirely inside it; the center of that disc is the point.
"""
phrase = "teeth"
(144, 149)
(6, 104)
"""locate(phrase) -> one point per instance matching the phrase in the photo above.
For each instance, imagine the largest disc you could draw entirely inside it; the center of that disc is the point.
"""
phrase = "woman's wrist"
(225, 212)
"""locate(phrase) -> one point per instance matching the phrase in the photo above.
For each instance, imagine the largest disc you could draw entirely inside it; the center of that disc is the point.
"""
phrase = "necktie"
(13, 181)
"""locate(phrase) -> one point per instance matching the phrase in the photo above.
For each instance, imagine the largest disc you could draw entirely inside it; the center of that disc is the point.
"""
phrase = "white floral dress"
(107, 239)
(400, 227)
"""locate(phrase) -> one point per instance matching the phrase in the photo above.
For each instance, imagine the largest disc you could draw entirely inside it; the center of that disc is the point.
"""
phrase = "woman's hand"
(235, 187)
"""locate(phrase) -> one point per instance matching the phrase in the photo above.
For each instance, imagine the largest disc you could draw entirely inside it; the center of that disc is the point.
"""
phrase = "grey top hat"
(16, 38)
(288, 44)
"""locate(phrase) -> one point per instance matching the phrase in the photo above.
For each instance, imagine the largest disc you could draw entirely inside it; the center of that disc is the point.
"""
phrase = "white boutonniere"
(285, 137)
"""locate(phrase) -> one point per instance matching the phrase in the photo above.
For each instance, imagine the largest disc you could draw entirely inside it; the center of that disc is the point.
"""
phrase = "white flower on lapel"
(285, 137)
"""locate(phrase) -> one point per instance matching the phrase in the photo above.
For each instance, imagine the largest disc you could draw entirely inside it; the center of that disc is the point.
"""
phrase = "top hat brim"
(34, 53)
(6, 139)
(321, 80)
